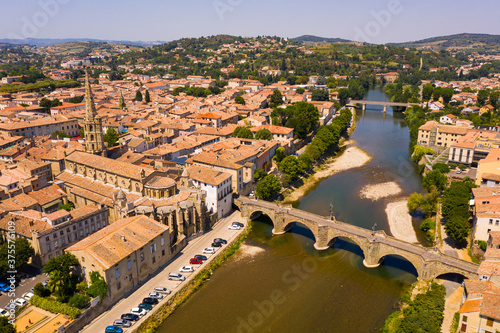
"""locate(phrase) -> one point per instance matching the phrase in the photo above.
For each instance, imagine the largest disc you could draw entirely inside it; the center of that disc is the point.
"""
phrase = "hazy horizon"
(377, 22)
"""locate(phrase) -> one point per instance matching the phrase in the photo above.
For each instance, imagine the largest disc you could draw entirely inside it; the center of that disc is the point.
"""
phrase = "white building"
(216, 184)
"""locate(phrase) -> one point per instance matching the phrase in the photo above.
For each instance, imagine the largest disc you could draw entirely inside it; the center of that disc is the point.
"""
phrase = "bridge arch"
(378, 255)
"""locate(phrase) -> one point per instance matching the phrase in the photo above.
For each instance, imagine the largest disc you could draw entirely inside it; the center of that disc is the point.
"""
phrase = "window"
(61, 233)
(48, 247)
(142, 256)
(162, 253)
(69, 238)
(54, 235)
(464, 319)
(491, 221)
(119, 285)
(74, 227)
(56, 244)
(162, 241)
(129, 263)
(47, 238)
(496, 222)
(489, 322)
(117, 273)
(154, 259)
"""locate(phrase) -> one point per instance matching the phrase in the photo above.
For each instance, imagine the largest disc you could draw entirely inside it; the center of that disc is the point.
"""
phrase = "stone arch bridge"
(375, 245)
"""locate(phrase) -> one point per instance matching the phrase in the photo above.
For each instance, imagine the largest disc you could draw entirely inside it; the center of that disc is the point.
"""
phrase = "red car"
(195, 261)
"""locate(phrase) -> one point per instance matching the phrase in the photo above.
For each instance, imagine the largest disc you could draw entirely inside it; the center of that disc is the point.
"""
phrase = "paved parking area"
(194, 247)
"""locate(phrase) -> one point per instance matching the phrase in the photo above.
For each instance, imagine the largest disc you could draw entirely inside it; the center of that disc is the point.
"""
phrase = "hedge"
(54, 306)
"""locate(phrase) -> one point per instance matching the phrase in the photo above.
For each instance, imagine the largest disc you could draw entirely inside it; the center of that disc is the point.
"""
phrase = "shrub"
(54, 306)
(40, 290)
(482, 244)
(79, 301)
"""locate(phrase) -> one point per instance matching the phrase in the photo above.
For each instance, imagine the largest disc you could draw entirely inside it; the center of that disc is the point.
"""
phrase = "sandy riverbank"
(248, 251)
(400, 221)
(353, 157)
(379, 191)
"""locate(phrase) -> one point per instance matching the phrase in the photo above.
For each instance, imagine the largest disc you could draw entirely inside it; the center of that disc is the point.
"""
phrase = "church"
(129, 190)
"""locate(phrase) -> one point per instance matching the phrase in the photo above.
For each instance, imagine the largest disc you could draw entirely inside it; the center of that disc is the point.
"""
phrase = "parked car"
(11, 306)
(122, 323)
(27, 296)
(209, 250)
(130, 317)
(216, 244)
(21, 301)
(4, 286)
(114, 329)
(145, 306)
(195, 261)
(163, 290)
(239, 224)
(459, 171)
(176, 276)
(234, 227)
(202, 257)
(155, 295)
(220, 240)
(186, 269)
(138, 311)
(150, 300)
(45, 283)
(4, 313)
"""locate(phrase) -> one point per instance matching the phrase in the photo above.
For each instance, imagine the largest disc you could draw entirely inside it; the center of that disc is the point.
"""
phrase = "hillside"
(309, 39)
(52, 41)
(456, 42)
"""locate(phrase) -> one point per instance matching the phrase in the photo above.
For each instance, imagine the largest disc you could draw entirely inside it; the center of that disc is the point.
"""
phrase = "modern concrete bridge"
(384, 103)
(375, 245)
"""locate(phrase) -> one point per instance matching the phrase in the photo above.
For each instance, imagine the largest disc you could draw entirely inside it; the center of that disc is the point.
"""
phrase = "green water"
(288, 286)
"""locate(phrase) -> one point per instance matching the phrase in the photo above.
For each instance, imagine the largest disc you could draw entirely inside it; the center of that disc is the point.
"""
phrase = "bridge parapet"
(375, 245)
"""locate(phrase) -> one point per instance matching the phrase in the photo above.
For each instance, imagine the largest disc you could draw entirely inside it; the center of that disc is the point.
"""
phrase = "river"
(288, 286)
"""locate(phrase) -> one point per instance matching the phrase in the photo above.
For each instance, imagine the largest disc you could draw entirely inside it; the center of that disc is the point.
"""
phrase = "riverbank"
(352, 157)
(400, 222)
(153, 323)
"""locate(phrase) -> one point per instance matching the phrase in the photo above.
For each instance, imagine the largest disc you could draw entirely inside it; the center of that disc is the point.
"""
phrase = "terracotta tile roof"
(491, 176)
(18, 203)
(84, 211)
(48, 194)
(106, 164)
(274, 129)
(160, 182)
(471, 306)
(479, 287)
(491, 305)
(24, 225)
(495, 237)
(117, 241)
(489, 268)
(208, 176)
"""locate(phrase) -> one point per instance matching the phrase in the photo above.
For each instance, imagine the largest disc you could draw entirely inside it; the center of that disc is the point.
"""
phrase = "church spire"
(94, 141)
(89, 100)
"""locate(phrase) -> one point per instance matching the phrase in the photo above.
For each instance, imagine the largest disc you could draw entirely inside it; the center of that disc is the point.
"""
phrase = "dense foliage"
(302, 117)
(22, 252)
(267, 187)
(54, 306)
(242, 133)
(455, 209)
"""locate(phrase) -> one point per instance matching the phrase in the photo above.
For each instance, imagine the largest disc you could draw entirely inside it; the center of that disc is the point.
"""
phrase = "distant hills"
(52, 41)
(457, 41)
(310, 39)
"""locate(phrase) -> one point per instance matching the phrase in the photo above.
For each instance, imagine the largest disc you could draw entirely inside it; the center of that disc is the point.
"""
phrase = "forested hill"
(309, 39)
(459, 41)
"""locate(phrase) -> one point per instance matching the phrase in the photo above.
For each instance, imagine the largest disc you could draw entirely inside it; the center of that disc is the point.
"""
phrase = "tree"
(76, 99)
(321, 81)
(494, 96)
(138, 96)
(343, 96)
(242, 133)
(259, 174)
(40, 290)
(419, 202)
(427, 92)
(56, 282)
(457, 228)
(82, 132)
(239, 100)
(482, 96)
(268, 187)
(264, 134)
(98, 286)
(435, 178)
(122, 104)
(447, 94)
(6, 326)
(305, 161)
(419, 152)
(67, 206)
(280, 154)
(147, 98)
(23, 254)
(300, 91)
(59, 134)
(276, 99)
(290, 165)
(65, 266)
(111, 137)
(441, 167)
(320, 95)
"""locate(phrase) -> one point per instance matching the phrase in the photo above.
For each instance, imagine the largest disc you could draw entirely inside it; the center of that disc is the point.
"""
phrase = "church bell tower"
(94, 143)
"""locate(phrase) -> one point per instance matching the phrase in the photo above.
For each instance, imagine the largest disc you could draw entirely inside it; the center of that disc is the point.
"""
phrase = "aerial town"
(143, 184)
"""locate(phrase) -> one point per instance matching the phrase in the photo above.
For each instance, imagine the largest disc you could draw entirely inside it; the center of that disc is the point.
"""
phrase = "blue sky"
(364, 20)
